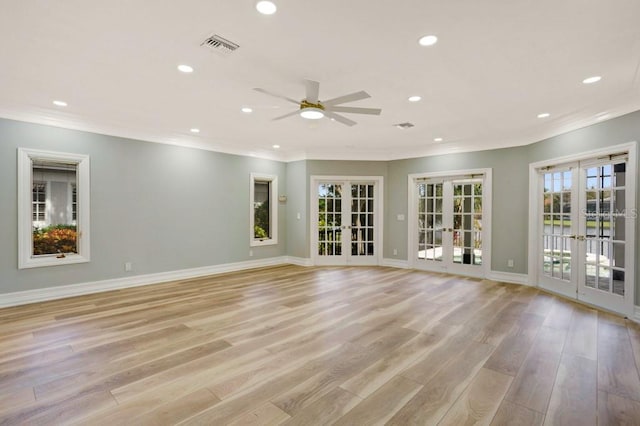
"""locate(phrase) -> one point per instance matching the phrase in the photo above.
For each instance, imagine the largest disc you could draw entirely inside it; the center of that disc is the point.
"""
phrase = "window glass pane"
(54, 208)
(261, 210)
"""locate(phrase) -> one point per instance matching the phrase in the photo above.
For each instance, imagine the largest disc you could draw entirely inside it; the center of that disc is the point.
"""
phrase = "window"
(39, 193)
(53, 208)
(74, 203)
(264, 210)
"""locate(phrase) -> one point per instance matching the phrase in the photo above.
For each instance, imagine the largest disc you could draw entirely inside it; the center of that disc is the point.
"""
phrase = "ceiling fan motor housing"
(305, 104)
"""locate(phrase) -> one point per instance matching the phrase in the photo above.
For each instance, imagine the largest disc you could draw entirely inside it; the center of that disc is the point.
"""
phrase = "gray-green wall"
(161, 207)
(168, 208)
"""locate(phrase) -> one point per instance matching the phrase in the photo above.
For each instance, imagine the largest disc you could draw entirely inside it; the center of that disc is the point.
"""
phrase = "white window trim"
(25, 231)
(273, 213)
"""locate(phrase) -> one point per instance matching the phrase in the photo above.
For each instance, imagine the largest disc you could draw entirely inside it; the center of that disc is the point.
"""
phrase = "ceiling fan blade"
(313, 89)
(355, 110)
(341, 119)
(293, 101)
(287, 115)
(352, 97)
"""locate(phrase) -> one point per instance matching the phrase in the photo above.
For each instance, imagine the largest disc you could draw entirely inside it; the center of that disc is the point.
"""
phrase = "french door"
(448, 227)
(347, 221)
(585, 238)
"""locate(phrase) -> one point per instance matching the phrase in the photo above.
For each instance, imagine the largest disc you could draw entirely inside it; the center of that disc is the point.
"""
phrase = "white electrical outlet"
(510, 263)
(250, 253)
(128, 266)
(395, 252)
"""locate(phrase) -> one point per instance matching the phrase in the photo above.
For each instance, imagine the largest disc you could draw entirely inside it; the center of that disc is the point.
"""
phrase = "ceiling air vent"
(219, 44)
(406, 125)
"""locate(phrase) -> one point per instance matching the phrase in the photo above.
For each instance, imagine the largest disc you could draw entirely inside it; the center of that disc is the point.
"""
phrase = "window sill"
(265, 242)
(36, 262)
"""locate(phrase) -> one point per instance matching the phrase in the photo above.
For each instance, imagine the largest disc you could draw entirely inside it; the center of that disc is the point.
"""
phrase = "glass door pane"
(604, 228)
(430, 221)
(467, 223)
(362, 220)
(330, 220)
(557, 225)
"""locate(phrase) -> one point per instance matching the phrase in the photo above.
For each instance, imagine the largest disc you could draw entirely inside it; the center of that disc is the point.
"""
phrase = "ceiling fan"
(312, 108)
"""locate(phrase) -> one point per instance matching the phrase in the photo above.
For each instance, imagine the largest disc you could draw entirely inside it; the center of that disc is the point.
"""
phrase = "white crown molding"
(60, 292)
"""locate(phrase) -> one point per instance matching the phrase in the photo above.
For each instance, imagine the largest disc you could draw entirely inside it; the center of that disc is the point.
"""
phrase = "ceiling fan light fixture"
(266, 7)
(311, 113)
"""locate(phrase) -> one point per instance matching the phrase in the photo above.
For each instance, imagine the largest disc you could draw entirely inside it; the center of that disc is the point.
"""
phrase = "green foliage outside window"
(261, 221)
(55, 239)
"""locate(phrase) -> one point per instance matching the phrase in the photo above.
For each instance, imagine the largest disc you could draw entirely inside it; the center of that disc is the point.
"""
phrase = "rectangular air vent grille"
(219, 44)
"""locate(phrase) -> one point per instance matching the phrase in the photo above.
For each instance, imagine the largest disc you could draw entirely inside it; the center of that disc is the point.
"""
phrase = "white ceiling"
(497, 65)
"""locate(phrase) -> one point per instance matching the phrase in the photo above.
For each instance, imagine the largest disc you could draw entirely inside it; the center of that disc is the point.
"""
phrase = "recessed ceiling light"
(438, 140)
(311, 113)
(194, 130)
(591, 80)
(544, 115)
(429, 40)
(266, 7)
(276, 146)
(60, 103)
(185, 68)
(246, 110)
(415, 98)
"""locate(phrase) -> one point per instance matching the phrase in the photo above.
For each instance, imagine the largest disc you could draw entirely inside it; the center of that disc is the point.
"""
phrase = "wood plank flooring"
(304, 346)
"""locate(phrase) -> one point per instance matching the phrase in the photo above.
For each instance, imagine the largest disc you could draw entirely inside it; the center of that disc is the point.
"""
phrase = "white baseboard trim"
(61, 292)
(395, 263)
(299, 261)
(509, 277)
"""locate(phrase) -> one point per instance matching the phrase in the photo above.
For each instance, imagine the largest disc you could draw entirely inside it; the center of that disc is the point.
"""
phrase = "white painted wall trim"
(299, 261)
(60, 292)
(395, 263)
(509, 277)
(636, 314)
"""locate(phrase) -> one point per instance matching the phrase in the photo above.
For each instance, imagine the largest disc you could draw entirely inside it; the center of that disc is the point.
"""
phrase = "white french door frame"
(535, 203)
(412, 223)
(378, 182)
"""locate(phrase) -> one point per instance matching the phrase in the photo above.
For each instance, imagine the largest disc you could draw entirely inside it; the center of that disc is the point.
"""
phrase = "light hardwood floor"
(292, 345)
